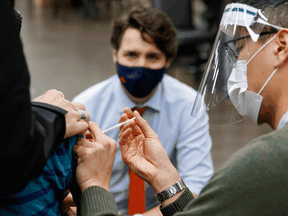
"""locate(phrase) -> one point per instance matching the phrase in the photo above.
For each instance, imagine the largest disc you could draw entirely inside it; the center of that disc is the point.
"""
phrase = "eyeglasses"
(234, 54)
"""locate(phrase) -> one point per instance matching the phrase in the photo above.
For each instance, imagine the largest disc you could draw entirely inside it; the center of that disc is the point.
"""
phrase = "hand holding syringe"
(117, 126)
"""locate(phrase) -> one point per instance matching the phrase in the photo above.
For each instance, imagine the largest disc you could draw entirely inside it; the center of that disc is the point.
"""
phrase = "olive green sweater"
(254, 181)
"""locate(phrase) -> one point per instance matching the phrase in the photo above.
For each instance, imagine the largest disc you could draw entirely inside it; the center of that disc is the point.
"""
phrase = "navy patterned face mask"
(139, 81)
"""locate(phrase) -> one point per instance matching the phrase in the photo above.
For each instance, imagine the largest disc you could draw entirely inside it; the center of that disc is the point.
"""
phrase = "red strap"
(137, 197)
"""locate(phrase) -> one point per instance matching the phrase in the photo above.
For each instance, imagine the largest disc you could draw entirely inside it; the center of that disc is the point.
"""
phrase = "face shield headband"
(241, 26)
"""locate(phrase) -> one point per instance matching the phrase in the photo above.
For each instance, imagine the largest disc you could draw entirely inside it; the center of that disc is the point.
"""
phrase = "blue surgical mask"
(139, 81)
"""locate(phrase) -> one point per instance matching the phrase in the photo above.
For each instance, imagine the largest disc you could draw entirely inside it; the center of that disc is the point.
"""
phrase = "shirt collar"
(283, 121)
(122, 100)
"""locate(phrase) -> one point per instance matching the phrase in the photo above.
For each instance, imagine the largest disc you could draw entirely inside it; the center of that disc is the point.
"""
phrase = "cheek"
(250, 78)
(255, 76)
(244, 54)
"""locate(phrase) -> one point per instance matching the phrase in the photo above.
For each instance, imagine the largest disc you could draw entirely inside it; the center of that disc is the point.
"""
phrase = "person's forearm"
(153, 212)
(178, 201)
(96, 201)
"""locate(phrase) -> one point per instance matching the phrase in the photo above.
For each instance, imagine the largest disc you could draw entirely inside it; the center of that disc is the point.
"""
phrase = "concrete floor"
(70, 53)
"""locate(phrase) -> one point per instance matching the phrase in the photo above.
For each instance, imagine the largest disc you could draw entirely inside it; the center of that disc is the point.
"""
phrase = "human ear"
(114, 55)
(281, 50)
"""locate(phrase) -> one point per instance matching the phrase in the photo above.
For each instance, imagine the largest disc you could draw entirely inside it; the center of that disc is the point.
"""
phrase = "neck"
(275, 104)
(281, 110)
(267, 114)
(139, 100)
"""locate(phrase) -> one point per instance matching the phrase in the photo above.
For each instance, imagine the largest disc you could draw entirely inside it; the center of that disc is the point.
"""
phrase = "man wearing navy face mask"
(145, 42)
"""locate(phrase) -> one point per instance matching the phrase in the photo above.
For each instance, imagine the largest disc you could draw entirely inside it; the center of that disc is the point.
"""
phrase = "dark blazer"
(27, 131)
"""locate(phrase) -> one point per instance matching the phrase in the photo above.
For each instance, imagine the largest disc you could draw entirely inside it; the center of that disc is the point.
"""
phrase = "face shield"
(240, 28)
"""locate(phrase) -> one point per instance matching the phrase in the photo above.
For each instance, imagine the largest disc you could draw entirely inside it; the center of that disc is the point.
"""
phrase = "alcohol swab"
(117, 126)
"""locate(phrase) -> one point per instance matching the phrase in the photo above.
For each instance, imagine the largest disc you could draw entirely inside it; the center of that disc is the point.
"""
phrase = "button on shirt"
(185, 139)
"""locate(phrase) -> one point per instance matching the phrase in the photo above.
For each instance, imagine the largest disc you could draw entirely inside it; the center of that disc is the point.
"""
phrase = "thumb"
(94, 130)
(144, 126)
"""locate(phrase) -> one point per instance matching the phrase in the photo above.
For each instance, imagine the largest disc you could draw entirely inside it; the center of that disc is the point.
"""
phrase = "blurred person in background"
(144, 42)
(246, 76)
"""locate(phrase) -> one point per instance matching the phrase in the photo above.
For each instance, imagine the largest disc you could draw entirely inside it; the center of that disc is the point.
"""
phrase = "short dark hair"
(276, 11)
(148, 21)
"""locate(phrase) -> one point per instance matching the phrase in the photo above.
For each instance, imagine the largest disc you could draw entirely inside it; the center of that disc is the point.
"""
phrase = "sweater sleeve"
(252, 182)
(96, 201)
(179, 204)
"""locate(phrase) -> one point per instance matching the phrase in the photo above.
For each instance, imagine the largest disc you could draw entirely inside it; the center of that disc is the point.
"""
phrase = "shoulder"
(264, 152)
(276, 139)
(253, 178)
(177, 91)
(97, 91)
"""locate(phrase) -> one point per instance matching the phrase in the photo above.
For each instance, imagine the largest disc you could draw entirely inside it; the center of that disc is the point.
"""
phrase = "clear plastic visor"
(240, 28)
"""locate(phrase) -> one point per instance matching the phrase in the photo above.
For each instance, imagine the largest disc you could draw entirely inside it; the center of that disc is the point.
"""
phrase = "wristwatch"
(171, 191)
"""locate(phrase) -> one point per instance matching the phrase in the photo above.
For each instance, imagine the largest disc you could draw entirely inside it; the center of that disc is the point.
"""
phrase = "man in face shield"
(247, 76)
(240, 77)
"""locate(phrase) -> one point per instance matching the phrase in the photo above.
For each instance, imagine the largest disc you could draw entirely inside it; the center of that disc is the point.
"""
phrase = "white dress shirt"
(185, 139)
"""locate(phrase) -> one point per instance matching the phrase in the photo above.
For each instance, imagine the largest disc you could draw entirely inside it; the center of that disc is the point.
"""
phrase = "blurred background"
(67, 47)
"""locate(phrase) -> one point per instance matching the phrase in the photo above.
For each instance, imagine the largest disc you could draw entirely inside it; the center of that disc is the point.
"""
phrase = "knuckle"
(106, 142)
(51, 90)
(87, 117)
(54, 92)
(100, 148)
(82, 107)
(112, 144)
